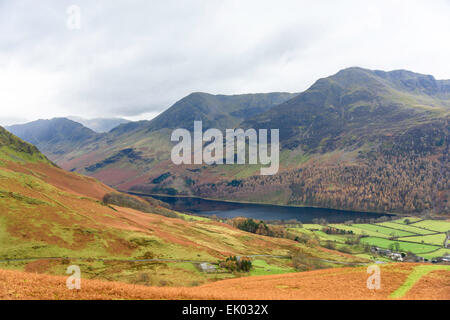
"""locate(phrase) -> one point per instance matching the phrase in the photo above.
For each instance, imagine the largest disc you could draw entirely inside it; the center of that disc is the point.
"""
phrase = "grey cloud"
(139, 57)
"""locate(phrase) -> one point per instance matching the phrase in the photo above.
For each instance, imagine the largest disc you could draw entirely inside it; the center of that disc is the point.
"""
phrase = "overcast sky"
(134, 59)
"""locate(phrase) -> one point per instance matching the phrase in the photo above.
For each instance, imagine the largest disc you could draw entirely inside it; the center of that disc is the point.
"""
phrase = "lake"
(265, 212)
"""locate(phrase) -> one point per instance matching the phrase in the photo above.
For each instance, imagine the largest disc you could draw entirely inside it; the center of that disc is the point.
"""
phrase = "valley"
(51, 218)
(215, 159)
(359, 140)
(351, 192)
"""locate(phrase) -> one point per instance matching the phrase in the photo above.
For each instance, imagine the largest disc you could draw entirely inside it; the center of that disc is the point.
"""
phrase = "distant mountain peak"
(216, 110)
(100, 125)
(59, 134)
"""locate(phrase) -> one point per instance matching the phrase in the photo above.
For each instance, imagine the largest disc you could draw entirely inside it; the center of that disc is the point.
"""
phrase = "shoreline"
(262, 204)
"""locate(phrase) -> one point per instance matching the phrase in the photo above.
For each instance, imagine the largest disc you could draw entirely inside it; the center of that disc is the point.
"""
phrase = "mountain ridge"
(363, 119)
(353, 97)
(219, 111)
(55, 136)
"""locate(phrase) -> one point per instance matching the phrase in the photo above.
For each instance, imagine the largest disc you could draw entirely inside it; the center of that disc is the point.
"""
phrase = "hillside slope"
(46, 212)
(216, 111)
(55, 137)
(335, 284)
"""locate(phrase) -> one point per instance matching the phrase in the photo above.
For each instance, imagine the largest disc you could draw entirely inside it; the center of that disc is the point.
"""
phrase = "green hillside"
(216, 111)
(51, 218)
(15, 149)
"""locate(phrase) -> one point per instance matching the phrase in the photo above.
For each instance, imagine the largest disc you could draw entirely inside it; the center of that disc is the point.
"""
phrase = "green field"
(405, 227)
(421, 237)
(416, 248)
(384, 230)
(411, 219)
(435, 225)
(436, 239)
(438, 253)
(331, 237)
(358, 231)
(319, 234)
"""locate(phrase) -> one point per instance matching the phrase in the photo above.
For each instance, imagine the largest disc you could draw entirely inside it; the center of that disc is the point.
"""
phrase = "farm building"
(207, 267)
(396, 256)
(381, 251)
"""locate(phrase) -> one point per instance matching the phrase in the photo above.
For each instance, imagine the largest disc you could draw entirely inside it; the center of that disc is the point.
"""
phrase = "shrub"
(235, 183)
(245, 264)
(161, 178)
(248, 225)
(232, 264)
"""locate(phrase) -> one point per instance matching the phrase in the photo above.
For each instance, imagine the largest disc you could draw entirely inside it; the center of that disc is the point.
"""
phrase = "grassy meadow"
(420, 237)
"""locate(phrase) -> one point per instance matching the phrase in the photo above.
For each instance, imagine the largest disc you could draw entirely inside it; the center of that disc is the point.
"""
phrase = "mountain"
(355, 105)
(55, 137)
(361, 139)
(216, 111)
(348, 142)
(136, 147)
(99, 125)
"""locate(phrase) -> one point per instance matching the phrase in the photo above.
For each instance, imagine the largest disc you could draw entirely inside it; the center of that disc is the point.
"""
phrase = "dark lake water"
(265, 212)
